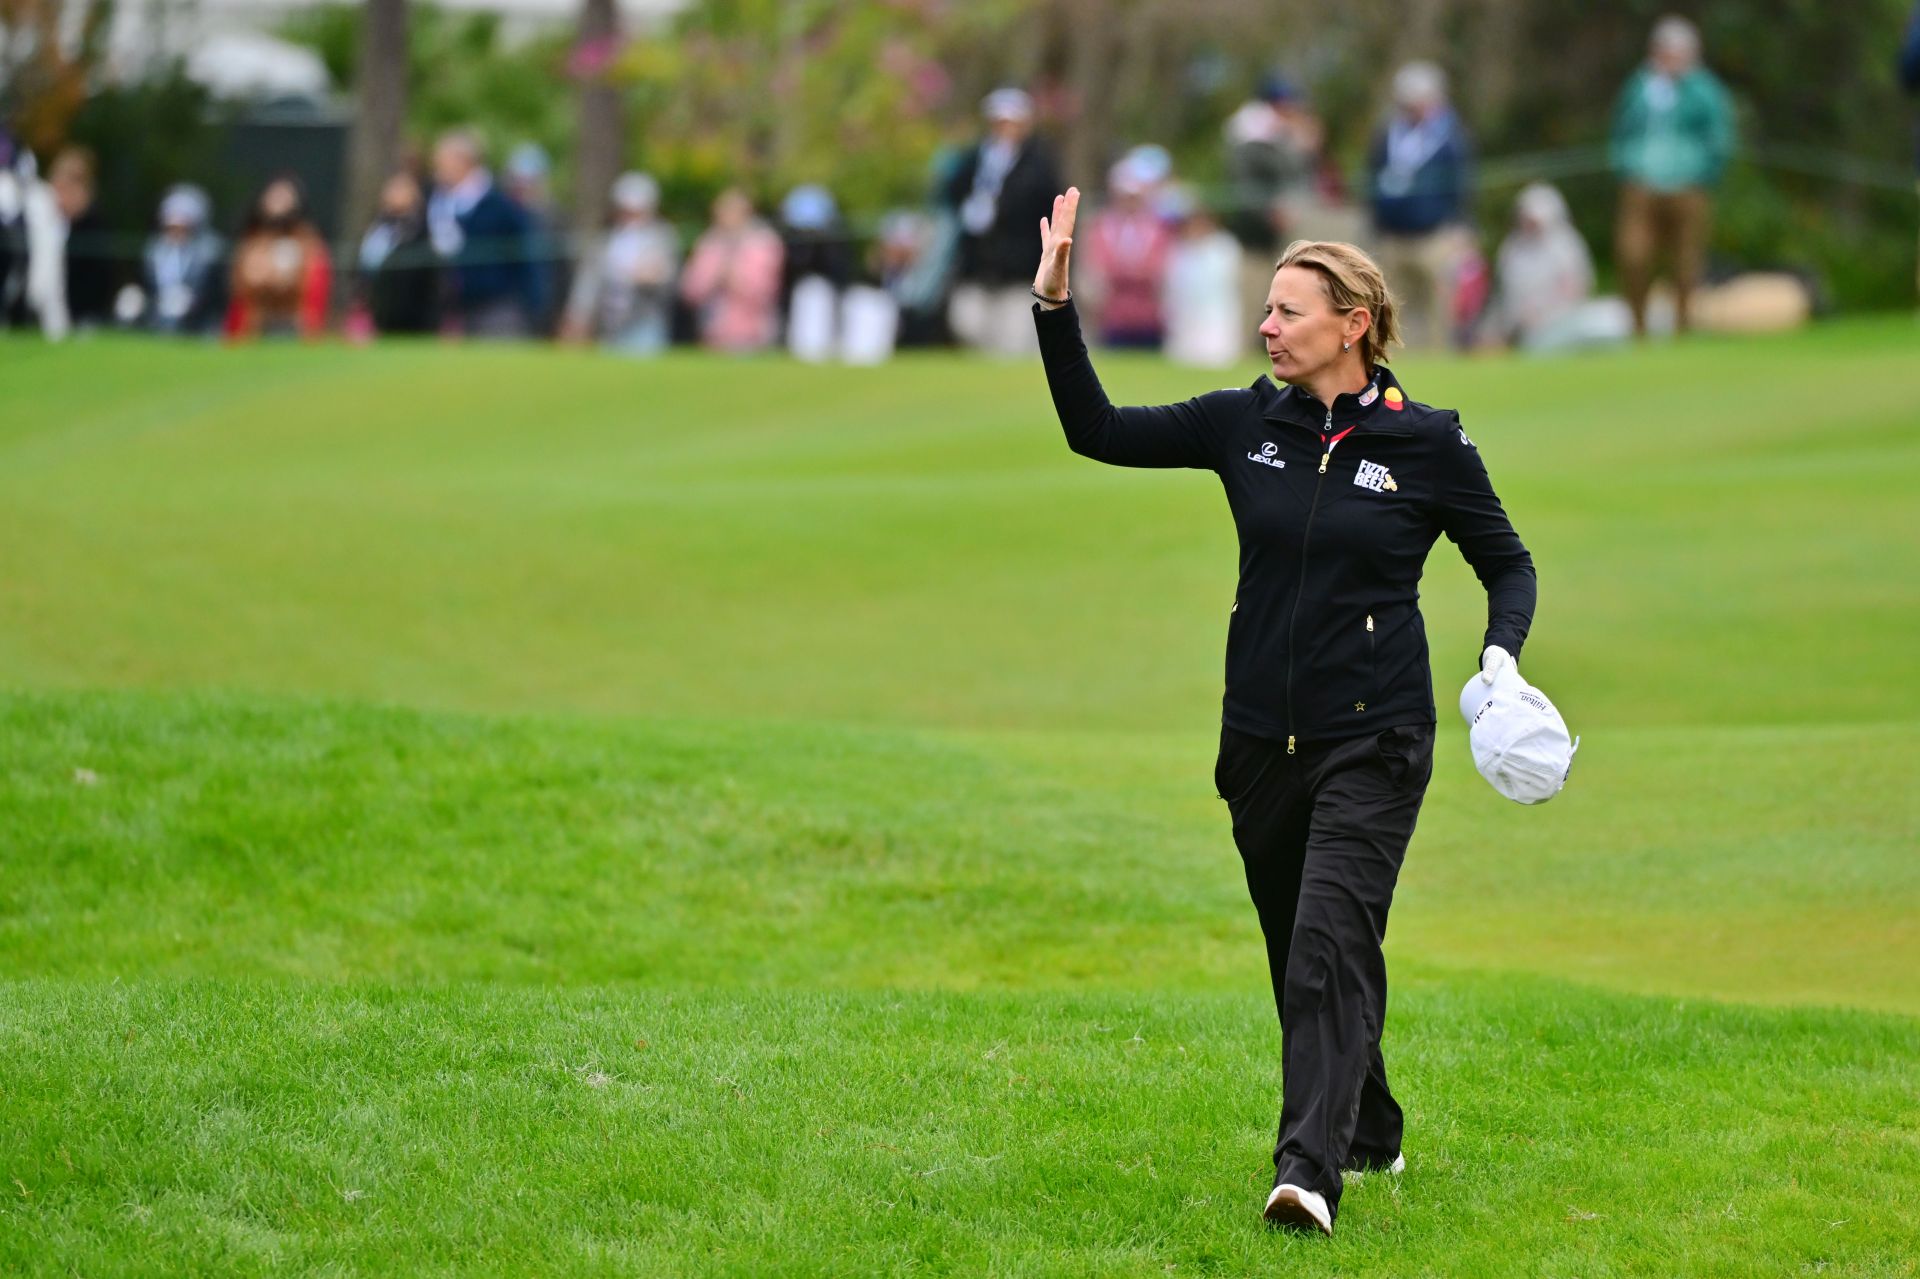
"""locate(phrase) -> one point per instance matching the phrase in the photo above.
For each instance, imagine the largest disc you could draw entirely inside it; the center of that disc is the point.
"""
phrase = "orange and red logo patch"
(1394, 400)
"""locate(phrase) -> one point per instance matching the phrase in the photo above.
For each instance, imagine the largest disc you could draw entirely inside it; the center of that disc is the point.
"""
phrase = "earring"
(1346, 346)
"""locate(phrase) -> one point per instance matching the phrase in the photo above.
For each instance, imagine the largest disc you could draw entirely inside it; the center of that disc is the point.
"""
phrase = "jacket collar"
(1370, 410)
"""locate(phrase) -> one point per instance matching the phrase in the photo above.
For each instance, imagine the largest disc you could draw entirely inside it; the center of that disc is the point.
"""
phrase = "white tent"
(247, 64)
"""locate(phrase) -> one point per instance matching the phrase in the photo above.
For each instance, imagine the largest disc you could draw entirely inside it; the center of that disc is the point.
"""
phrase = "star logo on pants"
(1359, 706)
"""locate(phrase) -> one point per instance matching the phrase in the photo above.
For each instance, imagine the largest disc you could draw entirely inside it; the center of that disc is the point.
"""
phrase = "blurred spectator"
(1544, 281)
(1206, 323)
(399, 271)
(733, 277)
(1152, 166)
(907, 262)
(185, 290)
(528, 185)
(1421, 183)
(13, 238)
(831, 312)
(818, 267)
(1001, 189)
(33, 260)
(1672, 137)
(281, 274)
(623, 290)
(1910, 79)
(91, 277)
(1126, 247)
(1273, 154)
(869, 325)
(481, 235)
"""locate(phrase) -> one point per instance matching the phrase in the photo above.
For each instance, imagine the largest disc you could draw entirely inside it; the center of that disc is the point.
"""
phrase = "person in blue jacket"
(1421, 178)
(484, 238)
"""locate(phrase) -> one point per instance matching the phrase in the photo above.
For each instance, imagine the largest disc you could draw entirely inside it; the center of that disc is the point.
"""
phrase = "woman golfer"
(1339, 485)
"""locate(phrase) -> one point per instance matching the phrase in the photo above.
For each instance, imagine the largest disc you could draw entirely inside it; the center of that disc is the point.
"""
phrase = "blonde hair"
(1352, 280)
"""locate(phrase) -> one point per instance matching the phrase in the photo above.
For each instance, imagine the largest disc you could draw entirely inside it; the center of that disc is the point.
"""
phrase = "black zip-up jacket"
(1336, 508)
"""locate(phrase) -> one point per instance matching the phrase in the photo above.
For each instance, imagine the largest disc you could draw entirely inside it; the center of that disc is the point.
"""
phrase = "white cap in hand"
(1520, 743)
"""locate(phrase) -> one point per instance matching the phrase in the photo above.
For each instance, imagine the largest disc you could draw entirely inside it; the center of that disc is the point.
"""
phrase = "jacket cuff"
(1505, 639)
(1060, 317)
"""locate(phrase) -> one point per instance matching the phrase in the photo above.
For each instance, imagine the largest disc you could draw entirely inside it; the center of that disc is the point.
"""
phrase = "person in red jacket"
(282, 277)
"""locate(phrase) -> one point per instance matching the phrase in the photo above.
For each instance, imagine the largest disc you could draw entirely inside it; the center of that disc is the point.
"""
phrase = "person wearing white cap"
(1339, 486)
(1543, 281)
(623, 293)
(185, 291)
(1000, 188)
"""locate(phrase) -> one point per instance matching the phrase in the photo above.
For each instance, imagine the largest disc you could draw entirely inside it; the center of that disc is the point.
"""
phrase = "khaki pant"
(1256, 283)
(1653, 224)
(1423, 275)
(995, 318)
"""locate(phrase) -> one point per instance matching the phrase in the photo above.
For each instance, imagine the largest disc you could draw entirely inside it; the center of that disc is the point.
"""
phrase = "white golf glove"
(1492, 660)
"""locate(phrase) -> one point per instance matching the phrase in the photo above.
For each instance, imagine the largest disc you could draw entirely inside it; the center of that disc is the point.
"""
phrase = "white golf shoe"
(1394, 1169)
(1291, 1205)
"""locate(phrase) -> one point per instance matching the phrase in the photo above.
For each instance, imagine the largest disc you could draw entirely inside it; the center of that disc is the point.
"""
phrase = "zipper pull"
(1289, 746)
(1324, 459)
(1369, 623)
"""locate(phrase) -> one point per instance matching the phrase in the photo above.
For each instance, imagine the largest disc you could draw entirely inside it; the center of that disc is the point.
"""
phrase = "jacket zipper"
(1373, 660)
(1300, 587)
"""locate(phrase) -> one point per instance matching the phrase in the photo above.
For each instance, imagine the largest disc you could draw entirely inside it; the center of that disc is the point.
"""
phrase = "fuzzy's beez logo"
(1372, 475)
(1265, 457)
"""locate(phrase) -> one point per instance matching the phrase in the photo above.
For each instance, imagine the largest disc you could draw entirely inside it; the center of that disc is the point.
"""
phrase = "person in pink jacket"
(1128, 245)
(733, 278)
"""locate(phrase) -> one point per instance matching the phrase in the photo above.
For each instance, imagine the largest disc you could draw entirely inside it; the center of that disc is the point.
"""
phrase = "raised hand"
(1056, 245)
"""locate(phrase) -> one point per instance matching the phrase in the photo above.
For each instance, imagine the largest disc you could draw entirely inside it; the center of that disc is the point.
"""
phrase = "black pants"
(1322, 833)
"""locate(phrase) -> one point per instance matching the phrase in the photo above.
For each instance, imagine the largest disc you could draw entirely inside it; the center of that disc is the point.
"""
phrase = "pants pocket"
(1407, 753)
(1243, 760)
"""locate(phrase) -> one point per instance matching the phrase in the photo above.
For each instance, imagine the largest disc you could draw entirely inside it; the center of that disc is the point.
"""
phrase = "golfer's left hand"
(1492, 660)
(1056, 245)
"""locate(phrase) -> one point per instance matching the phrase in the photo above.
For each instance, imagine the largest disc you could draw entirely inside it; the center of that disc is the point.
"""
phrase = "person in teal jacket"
(1672, 138)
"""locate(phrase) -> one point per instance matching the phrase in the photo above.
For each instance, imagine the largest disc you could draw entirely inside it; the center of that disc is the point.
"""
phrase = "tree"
(380, 126)
(43, 77)
(601, 143)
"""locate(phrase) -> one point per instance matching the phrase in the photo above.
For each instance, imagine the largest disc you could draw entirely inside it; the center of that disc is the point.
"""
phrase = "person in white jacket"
(29, 209)
(1544, 281)
(1205, 325)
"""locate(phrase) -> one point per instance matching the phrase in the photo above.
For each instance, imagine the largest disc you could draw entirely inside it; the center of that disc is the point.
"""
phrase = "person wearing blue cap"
(817, 269)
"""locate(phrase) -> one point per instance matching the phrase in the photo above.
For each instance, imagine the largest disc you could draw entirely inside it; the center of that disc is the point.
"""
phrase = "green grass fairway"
(498, 811)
